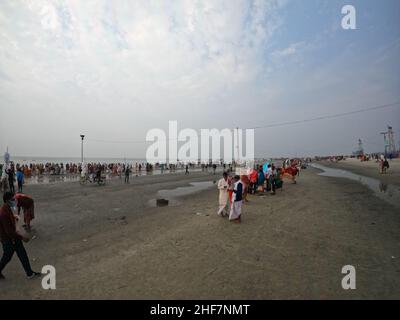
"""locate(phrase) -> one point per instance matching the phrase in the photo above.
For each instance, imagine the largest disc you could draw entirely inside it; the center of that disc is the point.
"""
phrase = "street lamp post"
(82, 136)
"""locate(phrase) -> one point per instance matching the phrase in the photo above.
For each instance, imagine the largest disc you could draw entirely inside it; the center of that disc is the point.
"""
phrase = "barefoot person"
(223, 185)
(11, 240)
(237, 201)
(28, 206)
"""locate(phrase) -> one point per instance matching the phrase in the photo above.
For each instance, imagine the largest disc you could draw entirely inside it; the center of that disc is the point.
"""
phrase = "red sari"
(27, 204)
(230, 189)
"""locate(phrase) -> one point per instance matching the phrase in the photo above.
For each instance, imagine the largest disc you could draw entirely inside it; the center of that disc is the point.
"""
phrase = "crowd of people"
(37, 169)
(17, 173)
(267, 178)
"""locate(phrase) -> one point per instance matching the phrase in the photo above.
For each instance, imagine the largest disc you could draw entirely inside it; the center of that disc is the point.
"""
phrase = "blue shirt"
(20, 176)
(261, 177)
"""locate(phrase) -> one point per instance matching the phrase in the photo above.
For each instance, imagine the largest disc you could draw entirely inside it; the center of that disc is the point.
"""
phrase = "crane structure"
(388, 138)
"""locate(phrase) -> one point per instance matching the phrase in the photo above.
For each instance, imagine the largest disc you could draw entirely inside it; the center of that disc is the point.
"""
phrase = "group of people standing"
(22, 201)
(266, 179)
(8, 178)
(230, 191)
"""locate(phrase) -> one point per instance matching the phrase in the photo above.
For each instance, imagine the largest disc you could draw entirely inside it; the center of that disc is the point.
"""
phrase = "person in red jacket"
(11, 240)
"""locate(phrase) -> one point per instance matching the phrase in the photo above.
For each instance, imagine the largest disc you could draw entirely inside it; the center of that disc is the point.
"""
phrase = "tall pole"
(82, 136)
(237, 143)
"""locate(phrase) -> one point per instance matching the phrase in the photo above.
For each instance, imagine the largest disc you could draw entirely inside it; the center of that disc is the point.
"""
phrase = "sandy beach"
(110, 243)
(369, 169)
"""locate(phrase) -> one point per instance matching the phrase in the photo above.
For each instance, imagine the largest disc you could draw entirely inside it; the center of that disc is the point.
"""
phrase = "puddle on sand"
(387, 192)
(50, 179)
(172, 194)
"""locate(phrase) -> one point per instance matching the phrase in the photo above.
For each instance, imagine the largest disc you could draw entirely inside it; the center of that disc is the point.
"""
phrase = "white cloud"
(291, 50)
(147, 43)
(140, 58)
(114, 69)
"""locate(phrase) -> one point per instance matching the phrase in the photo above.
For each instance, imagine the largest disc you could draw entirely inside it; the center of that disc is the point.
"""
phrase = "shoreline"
(368, 169)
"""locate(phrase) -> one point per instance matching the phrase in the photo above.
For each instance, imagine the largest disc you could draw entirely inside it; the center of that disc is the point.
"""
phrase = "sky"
(113, 70)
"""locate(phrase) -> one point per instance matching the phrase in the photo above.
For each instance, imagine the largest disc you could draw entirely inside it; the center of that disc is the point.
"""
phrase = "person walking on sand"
(237, 201)
(127, 172)
(223, 185)
(186, 169)
(385, 166)
(20, 179)
(11, 240)
(381, 161)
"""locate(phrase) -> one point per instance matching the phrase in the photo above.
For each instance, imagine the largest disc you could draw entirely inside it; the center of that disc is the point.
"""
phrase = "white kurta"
(223, 195)
(236, 207)
(236, 210)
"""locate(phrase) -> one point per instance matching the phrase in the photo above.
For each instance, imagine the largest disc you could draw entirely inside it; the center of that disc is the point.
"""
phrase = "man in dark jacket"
(237, 201)
(10, 239)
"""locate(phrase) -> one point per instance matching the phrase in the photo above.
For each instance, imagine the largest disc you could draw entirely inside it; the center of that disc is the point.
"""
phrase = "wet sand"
(369, 169)
(109, 243)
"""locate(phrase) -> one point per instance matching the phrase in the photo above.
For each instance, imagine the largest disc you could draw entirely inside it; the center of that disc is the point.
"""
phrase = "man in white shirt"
(223, 185)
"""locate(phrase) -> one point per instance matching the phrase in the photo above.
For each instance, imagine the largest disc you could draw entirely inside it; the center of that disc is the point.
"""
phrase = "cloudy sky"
(113, 69)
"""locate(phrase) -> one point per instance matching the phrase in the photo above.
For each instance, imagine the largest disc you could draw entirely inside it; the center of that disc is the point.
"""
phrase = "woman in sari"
(27, 204)
(290, 172)
(261, 179)
(230, 188)
(253, 181)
